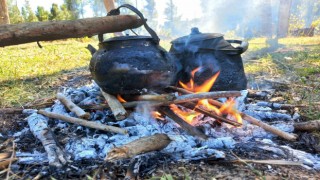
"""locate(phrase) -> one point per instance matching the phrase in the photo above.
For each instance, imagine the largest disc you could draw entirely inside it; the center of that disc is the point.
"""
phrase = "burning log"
(210, 114)
(116, 107)
(139, 146)
(83, 122)
(194, 131)
(14, 34)
(39, 127)
(250, 119)
(307, 126)
(72, 107)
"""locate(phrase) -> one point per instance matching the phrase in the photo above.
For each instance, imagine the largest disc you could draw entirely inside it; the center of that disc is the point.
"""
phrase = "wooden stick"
(116, 107)
(177, 100)
(83, 122)
(139, 146)
(307, 126)
(193, 106)
(160, 97)
(52, 30)
(72, 107)
(184, 125)
(250, 119)
(207, 95)
(278, 105)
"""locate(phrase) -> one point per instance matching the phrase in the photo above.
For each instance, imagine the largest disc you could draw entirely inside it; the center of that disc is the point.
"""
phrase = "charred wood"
(210, 114)
(194, 131)
(116, 107)
(143, 145)
(250, 119)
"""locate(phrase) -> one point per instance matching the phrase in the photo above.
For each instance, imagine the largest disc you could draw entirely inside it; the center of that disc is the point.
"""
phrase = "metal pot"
(212, 53)
(132, 64)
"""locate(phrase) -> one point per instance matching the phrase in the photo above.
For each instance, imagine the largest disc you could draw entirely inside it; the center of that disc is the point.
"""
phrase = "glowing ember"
(226, 109)
(121, 99)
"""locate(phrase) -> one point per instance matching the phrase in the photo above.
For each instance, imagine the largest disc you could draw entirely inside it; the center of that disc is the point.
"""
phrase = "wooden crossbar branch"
(250, 119)
(14, 34)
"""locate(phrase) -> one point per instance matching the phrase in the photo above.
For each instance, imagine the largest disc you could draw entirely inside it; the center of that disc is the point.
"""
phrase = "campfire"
(187, 123)
(147, 106)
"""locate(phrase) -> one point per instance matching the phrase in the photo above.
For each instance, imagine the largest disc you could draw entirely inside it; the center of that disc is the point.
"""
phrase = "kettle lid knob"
(195, 30)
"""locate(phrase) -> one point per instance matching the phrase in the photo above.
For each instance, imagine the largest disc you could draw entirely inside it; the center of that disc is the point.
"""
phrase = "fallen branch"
(194, 106)
(116, 107)
(52, 30)
(250, 119)
(143, 145)
(184, 125)
(72, 107)
(39, 127)
(278, 105)
(307, 126)
(83, 122)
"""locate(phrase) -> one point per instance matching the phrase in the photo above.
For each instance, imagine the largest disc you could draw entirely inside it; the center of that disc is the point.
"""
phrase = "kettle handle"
(114, 12)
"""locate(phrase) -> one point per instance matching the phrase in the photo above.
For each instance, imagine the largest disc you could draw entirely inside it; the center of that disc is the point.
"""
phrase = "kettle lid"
(196, 35)
(127, 37)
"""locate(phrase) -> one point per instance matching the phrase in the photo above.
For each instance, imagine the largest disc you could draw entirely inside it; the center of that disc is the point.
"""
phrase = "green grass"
(297, 59)
(28, 72)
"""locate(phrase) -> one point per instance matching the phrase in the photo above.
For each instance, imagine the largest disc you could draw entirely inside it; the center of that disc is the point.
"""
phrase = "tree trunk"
(284, 17)
(53, 30)
(266, 18)
(4, 15)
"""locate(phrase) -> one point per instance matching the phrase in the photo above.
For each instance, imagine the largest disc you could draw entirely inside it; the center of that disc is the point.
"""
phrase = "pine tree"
(150, 13)
(54, 12)
(42, 14)
(31, 16)
(14, 14)
(24, 14)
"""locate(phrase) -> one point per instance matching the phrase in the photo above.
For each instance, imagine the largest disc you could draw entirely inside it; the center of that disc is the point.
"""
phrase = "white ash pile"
(77, 143)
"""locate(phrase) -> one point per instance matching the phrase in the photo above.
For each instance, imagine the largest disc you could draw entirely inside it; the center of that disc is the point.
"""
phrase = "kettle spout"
(91, 49)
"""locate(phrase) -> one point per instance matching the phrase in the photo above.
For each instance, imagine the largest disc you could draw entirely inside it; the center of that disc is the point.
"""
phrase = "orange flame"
(225, 109)
(185, 115)
(121, 99)
(205, 87)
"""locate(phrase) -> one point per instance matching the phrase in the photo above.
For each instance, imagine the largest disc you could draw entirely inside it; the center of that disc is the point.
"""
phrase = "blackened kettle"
(132, 64)
(211, 53)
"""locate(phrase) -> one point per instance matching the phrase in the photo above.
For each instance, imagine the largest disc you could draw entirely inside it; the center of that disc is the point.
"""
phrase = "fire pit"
(183, 134)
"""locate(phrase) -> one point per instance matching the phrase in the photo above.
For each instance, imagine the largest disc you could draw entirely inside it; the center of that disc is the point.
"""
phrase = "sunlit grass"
(298, 60)
(28, 72)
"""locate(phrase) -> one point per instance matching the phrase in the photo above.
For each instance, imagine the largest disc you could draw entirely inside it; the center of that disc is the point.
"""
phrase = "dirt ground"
(209, 169)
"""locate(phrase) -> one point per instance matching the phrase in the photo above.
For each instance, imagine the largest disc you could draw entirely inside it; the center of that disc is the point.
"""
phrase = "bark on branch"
(143, 145)
(82, 122)
(72, 107)
(47, 31)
